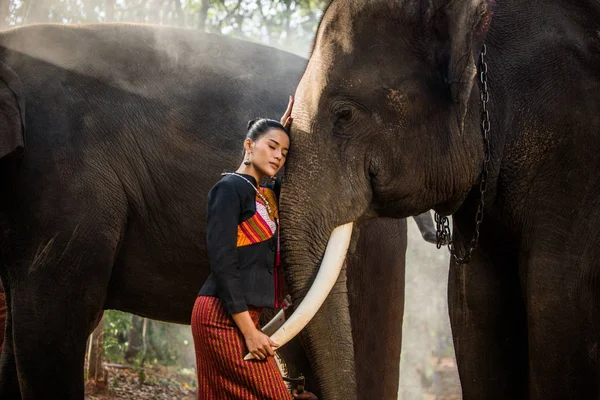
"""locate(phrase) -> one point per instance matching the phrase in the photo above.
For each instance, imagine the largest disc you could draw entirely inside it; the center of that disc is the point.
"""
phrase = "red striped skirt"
(220, 349)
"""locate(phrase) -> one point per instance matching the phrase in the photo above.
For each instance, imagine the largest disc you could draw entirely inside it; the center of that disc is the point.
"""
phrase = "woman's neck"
(250, 170)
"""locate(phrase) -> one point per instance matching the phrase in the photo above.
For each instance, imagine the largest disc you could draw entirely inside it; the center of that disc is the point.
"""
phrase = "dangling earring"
(247, 160)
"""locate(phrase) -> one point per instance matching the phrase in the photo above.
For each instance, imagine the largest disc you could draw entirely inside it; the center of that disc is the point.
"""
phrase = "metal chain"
(443, 234)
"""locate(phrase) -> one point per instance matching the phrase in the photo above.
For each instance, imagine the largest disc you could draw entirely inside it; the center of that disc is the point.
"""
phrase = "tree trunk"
(203, 14)
(38, 11)
(144, 339)
(135, 338)
(110, 11)
(4, 13)
(281, 42)
(153, 13)
(94, 370)
(179, 16)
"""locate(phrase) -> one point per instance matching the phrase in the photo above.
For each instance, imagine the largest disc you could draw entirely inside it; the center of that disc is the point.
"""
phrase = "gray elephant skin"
(388, 116)
(111, 138)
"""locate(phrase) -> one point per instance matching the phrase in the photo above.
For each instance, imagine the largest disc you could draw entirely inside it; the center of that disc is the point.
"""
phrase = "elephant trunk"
(327, 338)
(315, 202)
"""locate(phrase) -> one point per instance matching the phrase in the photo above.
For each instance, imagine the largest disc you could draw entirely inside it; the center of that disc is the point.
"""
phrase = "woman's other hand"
(260, 345)
(304, 395)
(287, 119)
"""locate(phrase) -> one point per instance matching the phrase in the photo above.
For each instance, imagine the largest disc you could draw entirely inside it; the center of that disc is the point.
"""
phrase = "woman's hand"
(287, 119)
(304, 395)
(259, 344)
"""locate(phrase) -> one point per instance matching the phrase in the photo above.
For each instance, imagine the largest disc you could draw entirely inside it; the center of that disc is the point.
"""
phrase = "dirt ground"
(160, 383)
(151, 383)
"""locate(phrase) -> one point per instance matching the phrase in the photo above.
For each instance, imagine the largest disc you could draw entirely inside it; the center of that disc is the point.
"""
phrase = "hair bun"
(252, 122)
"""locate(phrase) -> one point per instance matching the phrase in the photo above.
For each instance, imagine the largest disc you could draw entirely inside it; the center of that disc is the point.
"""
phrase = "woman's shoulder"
(231, 183)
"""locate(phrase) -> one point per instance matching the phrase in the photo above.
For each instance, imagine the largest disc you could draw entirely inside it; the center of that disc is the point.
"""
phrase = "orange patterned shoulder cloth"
(262, 225)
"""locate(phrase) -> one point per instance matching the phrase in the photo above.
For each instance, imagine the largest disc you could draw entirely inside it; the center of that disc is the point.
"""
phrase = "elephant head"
(385, 124)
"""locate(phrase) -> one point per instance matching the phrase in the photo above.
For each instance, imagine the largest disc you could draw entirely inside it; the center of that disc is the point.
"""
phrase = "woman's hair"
(258, 127)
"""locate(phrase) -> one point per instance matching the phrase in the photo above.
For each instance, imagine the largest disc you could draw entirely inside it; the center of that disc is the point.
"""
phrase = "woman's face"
(269, 152)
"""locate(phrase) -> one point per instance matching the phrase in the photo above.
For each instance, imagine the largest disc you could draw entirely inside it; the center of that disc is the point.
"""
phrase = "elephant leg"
(58, 288)
(292, 355)
(376, 294)
(9, 383)
(563, 321)
(296, 362)
(488, 327)
(53, 313)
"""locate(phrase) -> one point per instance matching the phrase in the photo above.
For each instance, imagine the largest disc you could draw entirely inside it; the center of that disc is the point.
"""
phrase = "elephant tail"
(12, 141)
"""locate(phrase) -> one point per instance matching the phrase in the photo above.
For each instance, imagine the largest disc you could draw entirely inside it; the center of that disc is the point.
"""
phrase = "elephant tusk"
(332, 263)
(274, 324)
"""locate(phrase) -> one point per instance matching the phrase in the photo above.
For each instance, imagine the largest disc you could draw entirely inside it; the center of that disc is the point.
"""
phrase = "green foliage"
(166, 344)
(117, 325)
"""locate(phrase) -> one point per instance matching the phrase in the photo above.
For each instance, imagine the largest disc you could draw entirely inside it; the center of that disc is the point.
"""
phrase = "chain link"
(443, 234)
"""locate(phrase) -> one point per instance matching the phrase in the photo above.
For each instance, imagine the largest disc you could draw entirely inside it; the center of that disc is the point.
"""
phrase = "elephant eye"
(344, 113)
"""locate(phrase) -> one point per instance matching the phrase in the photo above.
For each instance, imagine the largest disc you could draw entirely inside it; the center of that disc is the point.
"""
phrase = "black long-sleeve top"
(242, 241)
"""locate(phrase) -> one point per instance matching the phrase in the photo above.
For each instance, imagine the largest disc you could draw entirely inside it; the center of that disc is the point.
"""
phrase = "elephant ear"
(462, 26)
(12, 112)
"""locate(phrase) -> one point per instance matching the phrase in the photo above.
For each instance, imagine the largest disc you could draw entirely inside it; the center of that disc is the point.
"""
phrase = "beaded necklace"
(264, 199)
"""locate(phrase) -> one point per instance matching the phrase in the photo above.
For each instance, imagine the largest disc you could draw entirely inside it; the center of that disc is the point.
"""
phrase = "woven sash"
(261, 226)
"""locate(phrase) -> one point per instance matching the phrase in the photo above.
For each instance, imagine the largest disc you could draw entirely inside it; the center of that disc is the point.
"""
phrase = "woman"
(246, 276)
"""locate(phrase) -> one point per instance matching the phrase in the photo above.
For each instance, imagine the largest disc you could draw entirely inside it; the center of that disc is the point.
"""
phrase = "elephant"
(112, 136)
(483, 110)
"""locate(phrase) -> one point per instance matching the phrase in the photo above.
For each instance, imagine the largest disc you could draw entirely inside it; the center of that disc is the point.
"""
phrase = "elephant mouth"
(333, 261)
